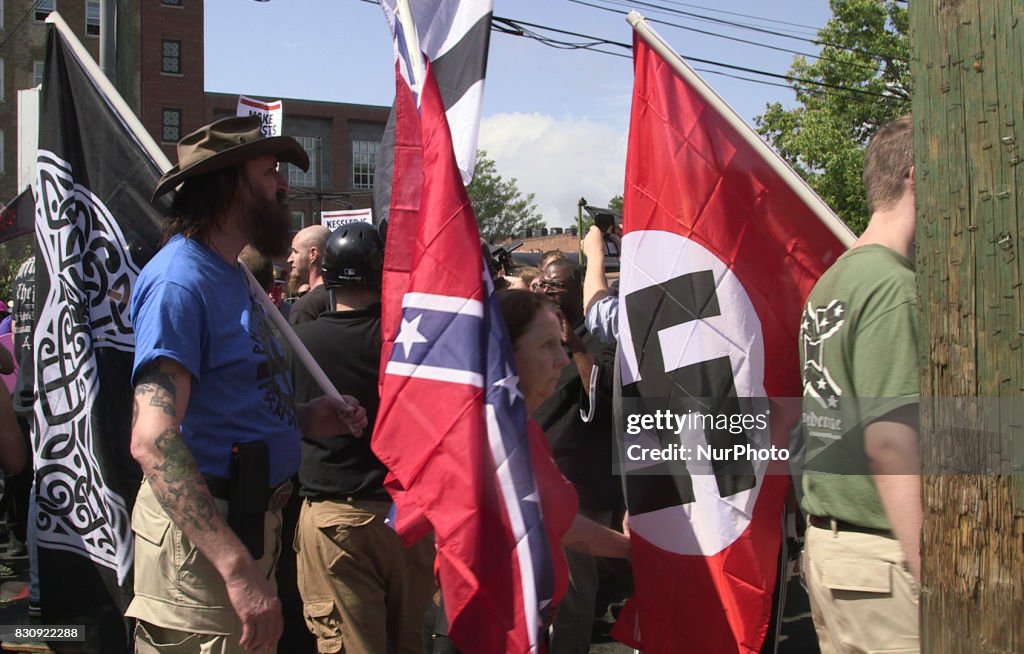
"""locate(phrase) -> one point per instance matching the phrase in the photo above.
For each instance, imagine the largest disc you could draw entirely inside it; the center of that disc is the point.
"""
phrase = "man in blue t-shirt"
(214, 418)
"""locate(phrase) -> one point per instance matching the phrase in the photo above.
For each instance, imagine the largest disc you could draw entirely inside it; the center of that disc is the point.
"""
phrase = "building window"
(2, 153)
(364, 163)
(43, 8)
(299, 179)
(171, 126)
(171, 3)
(37, 72)
(298, 220)
(171, 62)
(92, 17)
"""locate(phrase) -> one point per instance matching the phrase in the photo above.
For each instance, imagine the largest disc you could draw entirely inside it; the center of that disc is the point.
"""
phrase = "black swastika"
(707, 387)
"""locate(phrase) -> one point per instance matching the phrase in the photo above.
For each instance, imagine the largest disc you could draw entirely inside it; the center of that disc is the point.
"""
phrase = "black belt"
(822, 522)
(372, 497)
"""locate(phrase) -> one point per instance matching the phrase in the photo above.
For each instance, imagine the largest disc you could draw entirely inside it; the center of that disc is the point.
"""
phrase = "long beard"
(270, 225)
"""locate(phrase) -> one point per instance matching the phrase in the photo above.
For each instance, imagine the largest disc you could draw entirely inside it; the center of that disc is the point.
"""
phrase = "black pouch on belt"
(247, 493)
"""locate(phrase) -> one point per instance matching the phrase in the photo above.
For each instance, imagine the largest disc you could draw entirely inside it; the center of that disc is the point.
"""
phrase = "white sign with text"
(332, 220)
(270, 113)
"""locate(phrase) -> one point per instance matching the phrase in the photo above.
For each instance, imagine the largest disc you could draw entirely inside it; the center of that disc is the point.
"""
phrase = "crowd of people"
(263, 510)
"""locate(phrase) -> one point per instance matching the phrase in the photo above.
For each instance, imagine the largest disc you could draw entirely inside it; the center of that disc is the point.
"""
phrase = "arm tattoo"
(152, 380)
(182, 493)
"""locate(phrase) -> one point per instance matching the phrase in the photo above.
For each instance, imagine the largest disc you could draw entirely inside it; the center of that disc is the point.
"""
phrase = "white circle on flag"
(711, 522)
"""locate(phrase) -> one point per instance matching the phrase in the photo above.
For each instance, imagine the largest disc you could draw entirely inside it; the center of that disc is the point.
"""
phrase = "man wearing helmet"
(362, 590)
(215, 428)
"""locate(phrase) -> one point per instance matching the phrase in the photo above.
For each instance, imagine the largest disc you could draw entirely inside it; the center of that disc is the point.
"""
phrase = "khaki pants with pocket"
(180, 600)
(863, 598)
(363, 591)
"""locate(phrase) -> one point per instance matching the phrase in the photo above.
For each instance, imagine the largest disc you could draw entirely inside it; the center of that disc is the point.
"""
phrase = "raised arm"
(162, 392)
(595, 284)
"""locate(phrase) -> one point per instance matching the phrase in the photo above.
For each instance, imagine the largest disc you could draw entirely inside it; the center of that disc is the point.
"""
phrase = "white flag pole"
(297, 346)
(777, 163)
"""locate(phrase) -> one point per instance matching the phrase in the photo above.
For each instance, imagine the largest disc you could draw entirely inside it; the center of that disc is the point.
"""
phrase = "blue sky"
(554, 119)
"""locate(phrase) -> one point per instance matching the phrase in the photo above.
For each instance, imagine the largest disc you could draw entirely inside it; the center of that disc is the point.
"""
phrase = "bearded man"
(215, 428)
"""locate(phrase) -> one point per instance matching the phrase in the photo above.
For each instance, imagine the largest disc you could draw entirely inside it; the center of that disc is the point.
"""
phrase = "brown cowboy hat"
(224, 143)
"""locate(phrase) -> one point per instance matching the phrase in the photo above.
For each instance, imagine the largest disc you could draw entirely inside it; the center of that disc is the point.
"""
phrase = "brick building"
(160, 64)
(22, 52)
(341, 141)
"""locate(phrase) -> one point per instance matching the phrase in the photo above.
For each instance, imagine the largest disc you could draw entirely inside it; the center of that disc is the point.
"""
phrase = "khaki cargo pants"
(863, 598)
(180, 600)
(363, 591)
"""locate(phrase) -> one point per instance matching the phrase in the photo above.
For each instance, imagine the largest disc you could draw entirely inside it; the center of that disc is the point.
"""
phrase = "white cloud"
(558, 159)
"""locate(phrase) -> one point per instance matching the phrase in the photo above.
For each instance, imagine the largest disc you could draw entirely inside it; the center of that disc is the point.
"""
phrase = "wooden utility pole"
(968, 106)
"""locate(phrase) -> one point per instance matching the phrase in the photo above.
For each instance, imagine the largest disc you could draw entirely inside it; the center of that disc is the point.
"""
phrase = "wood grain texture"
(968, 67)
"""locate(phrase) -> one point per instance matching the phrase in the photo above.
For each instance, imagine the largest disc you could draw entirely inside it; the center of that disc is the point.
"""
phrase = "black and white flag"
(457, 43)
(95, 229)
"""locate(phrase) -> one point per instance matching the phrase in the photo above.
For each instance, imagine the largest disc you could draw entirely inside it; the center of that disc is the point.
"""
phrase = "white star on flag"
(409, 334)
(511, 384)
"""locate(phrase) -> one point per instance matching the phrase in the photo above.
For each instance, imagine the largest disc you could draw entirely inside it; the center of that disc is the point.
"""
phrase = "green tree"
(502, 211)
(615, 204)
(860, 82)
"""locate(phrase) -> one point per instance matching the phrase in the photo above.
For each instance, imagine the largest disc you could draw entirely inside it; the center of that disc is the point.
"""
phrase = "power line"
(512, 23)
(761, 30)
(21, 20)
(515, 27)
(734, 38)
(742, 15)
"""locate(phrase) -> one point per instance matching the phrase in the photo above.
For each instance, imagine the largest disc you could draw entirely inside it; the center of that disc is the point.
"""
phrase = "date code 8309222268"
(31, 633)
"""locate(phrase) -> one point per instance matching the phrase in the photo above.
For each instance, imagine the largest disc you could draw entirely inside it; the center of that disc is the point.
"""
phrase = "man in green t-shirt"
(861, 482)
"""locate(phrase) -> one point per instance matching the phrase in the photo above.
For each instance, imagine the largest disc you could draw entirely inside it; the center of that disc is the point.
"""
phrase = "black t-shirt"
(310, 306)
(584, 450)
(347, 346)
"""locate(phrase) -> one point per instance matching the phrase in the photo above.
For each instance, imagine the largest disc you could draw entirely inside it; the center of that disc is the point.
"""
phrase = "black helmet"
(354, 254)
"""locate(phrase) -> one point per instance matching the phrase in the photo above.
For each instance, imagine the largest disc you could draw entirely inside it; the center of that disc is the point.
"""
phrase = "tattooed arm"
(161, 398)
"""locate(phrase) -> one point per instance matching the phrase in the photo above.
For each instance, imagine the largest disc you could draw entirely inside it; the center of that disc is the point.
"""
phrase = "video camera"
(609, 221)
(502, 255)
(499, 259)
